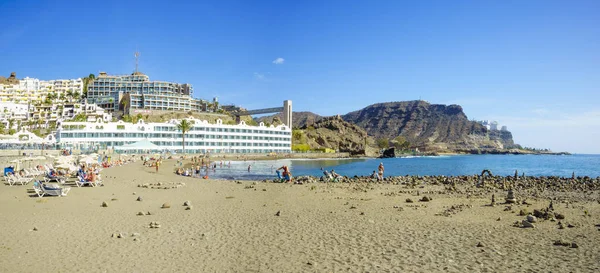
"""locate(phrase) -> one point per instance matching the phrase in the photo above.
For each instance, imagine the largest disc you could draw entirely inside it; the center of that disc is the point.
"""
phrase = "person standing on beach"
(197, 170)
(157, 164)
(380, 174)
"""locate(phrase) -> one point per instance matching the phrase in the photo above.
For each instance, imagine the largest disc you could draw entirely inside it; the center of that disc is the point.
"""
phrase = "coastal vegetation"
(86, 81)
(81, 117)
(300, 141)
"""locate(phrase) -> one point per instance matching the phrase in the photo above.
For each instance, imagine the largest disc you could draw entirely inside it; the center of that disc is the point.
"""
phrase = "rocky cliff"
(431, 127)
(335, 133)
(12, 79)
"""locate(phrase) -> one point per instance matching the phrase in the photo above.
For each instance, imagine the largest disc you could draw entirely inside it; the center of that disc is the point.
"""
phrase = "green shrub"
(301, 147)
(382, 143)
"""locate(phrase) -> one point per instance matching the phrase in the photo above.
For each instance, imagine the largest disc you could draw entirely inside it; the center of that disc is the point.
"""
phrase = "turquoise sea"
(536, 165)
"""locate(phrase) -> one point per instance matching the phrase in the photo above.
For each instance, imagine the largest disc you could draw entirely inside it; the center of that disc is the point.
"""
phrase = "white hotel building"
(203, 137)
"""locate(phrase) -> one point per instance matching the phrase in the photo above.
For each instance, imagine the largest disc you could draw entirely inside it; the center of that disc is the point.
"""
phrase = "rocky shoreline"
(526, 187)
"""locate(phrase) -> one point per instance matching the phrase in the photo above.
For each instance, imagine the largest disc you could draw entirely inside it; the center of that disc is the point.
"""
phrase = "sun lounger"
(13, 179)
(55, 178)
(82, 182)
(36, 171)
(8, 178)
(42, 190)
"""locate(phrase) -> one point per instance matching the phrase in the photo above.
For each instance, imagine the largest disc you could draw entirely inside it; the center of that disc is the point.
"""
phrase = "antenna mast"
(137, 57)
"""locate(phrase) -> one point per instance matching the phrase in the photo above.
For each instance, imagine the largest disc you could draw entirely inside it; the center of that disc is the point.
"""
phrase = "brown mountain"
(434, 127)
(429, 127)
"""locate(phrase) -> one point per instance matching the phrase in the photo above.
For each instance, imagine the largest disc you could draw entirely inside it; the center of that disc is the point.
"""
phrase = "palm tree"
(184, 126)
(30, 124)
(86, 81)
(70, 94)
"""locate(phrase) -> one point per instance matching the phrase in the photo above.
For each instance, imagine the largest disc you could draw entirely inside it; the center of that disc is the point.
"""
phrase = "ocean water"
(537, 165)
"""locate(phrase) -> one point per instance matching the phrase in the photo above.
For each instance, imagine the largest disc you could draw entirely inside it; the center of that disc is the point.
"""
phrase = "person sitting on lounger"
(327, 176)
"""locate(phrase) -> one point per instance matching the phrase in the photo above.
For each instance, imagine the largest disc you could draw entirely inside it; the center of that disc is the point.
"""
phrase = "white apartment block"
(492, 125)
(31, 90)
(43, 114)
(9, 110)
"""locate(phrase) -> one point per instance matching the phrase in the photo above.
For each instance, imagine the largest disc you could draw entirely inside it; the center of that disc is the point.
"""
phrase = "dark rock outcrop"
(389, 153)
(12, 79)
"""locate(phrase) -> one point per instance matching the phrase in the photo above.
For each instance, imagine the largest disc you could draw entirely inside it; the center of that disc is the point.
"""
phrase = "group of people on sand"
(379, 174)
(88, 173)
(199, 165)
(330, 176)
(151, 162)
(108, 164)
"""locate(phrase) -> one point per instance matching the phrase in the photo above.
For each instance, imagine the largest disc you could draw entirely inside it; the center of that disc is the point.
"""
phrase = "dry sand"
(320, 228)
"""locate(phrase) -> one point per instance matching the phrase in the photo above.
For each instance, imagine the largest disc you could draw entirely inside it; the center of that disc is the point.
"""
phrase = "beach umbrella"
(62, 160)
(17, 162)
(68, 158)
(40, 157)
(68, 167)
(63, 166)
(88, 160)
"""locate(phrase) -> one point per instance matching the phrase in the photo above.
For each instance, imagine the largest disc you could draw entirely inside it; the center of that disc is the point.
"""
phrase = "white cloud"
(279, 60)
(259, 76)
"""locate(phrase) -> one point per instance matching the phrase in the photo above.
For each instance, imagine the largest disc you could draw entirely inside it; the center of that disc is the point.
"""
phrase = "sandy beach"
(250, 226)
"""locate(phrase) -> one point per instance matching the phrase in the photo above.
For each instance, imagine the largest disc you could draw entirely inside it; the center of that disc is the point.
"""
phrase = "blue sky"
(531, 65)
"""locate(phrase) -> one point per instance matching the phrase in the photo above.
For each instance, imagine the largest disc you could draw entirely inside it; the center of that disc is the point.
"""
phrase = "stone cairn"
(510, 197)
